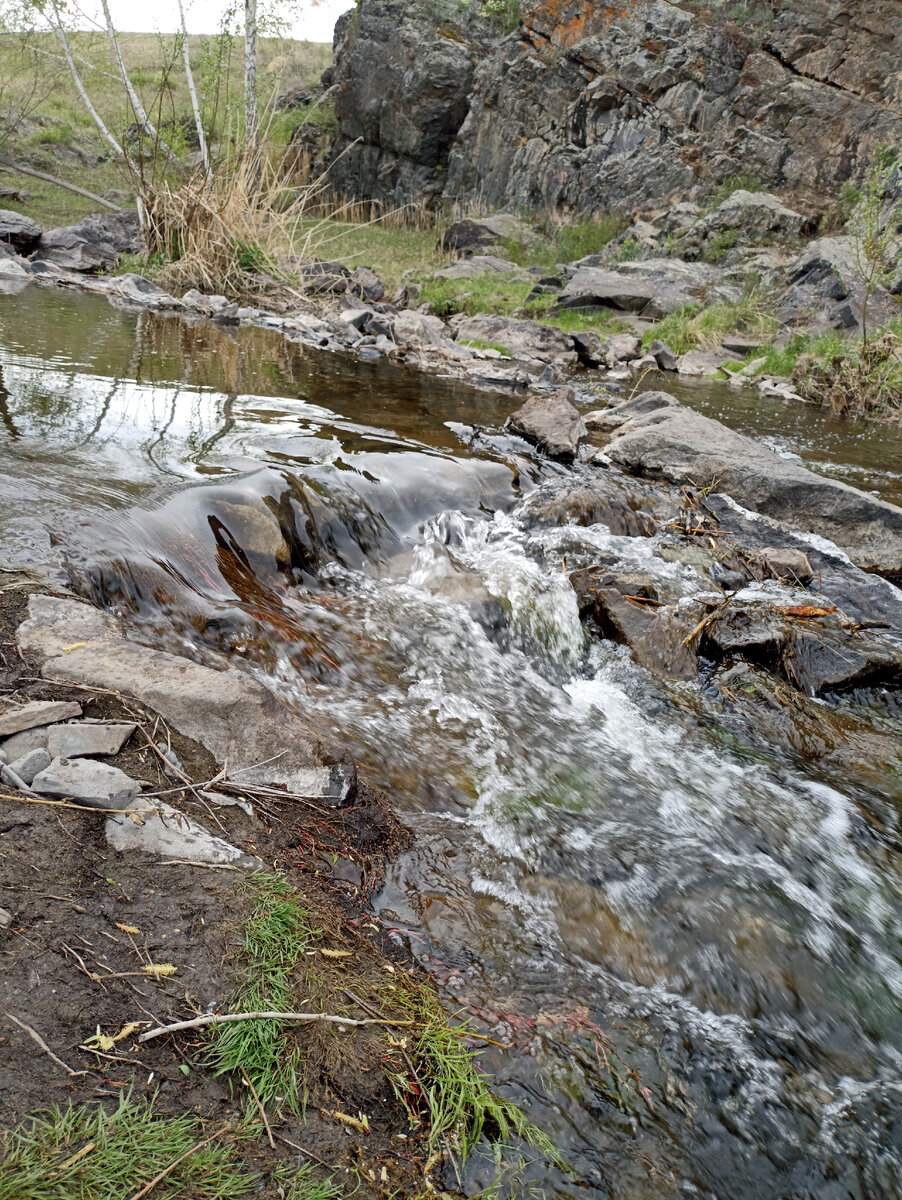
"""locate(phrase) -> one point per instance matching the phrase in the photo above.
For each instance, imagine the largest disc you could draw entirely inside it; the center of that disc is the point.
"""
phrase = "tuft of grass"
(734, 183)
(276, 934)
(460, 1106)
(705, 328)
(479, 344)
(299, 1184)
(47, 1159)
(501, 295)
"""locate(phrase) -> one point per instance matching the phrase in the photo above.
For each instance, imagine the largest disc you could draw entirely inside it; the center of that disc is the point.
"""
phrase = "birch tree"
(251, 128)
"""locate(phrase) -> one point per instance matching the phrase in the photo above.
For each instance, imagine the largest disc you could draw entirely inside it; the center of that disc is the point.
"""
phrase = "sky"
(314, 23)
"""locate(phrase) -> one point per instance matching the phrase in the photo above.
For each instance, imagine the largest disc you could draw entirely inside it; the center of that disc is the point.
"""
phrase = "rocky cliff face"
(593, 105)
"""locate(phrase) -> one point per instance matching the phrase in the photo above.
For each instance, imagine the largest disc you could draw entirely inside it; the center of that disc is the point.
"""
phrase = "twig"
(69, 804)
(222, 1018)
(36, 1037)
(181, 1158)
(260, 1109)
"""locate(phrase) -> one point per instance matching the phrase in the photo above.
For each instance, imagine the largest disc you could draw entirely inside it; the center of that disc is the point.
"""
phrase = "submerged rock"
(628, 507)
(551, 422)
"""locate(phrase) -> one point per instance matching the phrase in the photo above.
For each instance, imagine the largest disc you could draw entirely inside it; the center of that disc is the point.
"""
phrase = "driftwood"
(221, 1019)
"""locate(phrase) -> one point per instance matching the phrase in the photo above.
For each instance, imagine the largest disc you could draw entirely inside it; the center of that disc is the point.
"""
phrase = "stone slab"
(38, 712)
(79, 741)
(96, 785)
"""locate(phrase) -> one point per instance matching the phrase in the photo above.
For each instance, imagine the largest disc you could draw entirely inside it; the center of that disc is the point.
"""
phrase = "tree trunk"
(133, 96)
(198, 123)
(98, 121)
(251, 131)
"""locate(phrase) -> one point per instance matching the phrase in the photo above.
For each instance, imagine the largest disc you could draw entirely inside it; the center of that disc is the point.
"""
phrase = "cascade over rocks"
(589, 104)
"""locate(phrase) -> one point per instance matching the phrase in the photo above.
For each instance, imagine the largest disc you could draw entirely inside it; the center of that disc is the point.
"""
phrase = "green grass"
(461, 1107)
(574, 320)
(300, 1184)
(275, 936)
(500, 295)
(479, 344)
(565, 243)
(704, 328)
(390, 249)
(130, 1146)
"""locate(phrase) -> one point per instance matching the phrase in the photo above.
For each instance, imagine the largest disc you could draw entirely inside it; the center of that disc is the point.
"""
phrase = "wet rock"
(753, 630)
(236, 718)
(656, 637)
(677, 444)
(781, 716)
(628, 507)
(822, 656)
(528, 340)
(793, 566)
(144, 292)
(30, 765)
(589, 348)
(645, 402)
(468, 236)
(13, 268)
(96, 785)
(94, 243)
(19, 231)
(651, 288)
(167, 833)
(38, 712)
(83, 740)
(663, 355)
(551, 422)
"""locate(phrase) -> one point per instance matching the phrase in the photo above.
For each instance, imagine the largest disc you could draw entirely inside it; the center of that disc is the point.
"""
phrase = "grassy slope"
(59, 136)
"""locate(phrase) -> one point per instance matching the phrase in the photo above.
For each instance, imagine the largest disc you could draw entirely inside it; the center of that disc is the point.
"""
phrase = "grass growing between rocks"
(693, 328)
(500, 295)
(276, 934)
(83, 1152)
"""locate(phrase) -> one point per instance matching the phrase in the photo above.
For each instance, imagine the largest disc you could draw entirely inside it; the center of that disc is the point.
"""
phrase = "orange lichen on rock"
(566, 22)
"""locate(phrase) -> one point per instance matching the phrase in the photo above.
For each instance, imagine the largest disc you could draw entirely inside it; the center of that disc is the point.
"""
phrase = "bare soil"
(70, 897)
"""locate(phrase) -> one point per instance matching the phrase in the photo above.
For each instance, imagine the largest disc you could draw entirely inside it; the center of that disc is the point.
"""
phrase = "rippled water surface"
(688, 946)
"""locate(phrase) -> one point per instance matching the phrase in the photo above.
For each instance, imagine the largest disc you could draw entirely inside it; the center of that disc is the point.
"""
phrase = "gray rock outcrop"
(676, 444)
(550, 422)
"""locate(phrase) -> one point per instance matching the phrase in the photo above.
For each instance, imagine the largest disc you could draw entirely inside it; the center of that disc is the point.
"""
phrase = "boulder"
(826, 291)
(19, 231)
(470, 235)
(38, 712)
(677, 444)
(785, 563)
(551, 422)
(23, 743)
(701, 362)
(414, 329)
(589, 348)
(527, 340)
(663, 355)
(480, 264)
(94, 243)
(144, 292)
(367, 284)
(651, 288)
(628, 507)
(237, 719)
(623, 347)
(755, 215)
(12, 267)
(656, 637)
(96, 785)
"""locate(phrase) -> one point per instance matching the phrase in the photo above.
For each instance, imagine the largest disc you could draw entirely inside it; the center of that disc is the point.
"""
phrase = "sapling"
(873, 229)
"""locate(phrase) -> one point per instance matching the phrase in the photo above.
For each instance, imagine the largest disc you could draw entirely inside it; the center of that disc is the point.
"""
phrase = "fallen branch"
(181, 1158)
(5, 162)
(36, 1037)
(223, 1018)
(69, 804)
(260, 1108)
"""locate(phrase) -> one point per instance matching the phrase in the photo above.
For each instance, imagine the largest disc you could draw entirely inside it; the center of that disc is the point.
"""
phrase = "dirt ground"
(71, 963)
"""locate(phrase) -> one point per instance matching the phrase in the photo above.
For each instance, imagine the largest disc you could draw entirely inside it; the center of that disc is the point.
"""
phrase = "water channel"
(688, 945)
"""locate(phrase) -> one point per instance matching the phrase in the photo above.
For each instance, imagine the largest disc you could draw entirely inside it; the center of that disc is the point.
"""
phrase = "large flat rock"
(680, 445)
(242, 724)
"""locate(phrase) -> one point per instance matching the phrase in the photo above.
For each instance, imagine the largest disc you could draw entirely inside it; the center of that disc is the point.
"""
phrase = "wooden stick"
(36, 1037)
(301, 1150)
(69, 804)
(272, 1144)
(162, 1175)
(223, 1018)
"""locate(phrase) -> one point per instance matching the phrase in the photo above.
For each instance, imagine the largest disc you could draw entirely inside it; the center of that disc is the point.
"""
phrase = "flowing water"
(689, 947)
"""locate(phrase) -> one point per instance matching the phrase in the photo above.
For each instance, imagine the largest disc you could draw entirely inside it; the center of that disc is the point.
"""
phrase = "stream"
(689, 947)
